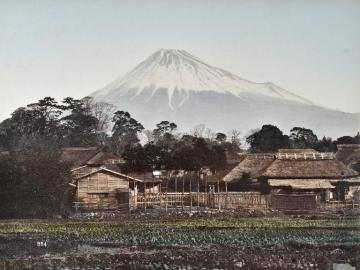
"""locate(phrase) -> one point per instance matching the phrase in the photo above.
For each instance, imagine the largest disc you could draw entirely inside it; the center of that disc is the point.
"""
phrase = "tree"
(301, 138)
(45, 116)
(209, 134)
(125, 131)
(163, 135)
(218, 157)
(269, 139)
(198, 131)
(220, 138)
(101, 110)
(34, 180)
(325, 145)
(164, 127)
(79, 126)
(7, 134)
(72, 123)
(36, 119)
(235, 140)
(134, 157)
(348, 140)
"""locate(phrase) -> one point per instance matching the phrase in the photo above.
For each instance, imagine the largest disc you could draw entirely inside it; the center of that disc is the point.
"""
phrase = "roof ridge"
(102, 168)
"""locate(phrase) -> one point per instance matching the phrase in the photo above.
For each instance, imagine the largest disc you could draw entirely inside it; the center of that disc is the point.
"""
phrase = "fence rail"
(341, 204)
(218, 200)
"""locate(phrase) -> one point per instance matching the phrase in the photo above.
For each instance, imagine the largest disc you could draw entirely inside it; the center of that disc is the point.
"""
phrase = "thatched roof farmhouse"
(299, 170)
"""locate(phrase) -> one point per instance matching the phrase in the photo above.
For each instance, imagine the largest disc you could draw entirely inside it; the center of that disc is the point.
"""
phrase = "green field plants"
(243, 232)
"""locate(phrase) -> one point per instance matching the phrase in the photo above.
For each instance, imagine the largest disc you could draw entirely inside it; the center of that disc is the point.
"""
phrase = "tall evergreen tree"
(302, 138)
(269, 139)
(125, 131)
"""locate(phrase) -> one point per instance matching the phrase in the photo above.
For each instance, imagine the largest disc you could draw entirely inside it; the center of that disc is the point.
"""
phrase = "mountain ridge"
(177, 86)
(173, 70)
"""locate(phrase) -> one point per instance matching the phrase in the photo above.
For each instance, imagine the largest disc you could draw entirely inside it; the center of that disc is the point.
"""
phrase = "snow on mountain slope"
(177, 70)
(176, 86)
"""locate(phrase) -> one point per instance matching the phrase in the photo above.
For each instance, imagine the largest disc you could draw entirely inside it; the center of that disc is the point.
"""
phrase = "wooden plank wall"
(99, 190)
(293, 201)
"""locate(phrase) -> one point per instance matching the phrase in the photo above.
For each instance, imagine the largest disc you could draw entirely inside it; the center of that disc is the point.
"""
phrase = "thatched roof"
(251, 164)
(301, 183)
(292, 164)
(92, 156)
(348, 153)
(78, 156)
(104, 157)
(312, 168)
(233, 158)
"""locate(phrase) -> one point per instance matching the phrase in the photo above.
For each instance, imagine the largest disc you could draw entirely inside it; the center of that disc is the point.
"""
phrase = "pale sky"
(72, 47)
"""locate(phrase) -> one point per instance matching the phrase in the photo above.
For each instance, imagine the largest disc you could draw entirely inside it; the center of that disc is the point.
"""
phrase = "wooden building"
(104, 189)
(295, 171)
(84, 160)
(349, 154)
(99, 181)
(250, 169)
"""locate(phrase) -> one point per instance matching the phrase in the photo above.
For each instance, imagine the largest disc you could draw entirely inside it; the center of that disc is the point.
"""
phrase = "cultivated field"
(195, 241)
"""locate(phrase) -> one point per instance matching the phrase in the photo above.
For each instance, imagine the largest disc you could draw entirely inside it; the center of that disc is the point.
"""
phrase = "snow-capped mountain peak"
(176, 86)
(179, 71)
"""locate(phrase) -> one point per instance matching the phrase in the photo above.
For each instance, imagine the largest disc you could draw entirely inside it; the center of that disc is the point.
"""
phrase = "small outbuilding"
(104, 189)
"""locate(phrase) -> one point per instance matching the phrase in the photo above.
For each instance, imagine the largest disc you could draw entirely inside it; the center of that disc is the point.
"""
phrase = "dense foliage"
(168, 152)
(270, 138)
(34, 179)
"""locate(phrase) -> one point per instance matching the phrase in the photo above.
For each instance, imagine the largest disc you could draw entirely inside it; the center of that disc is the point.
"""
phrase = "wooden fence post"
(145, 199)
(190, 196)
(227, 195)
(166, 202)
(198, 190)
(218, 187)
(182, 195)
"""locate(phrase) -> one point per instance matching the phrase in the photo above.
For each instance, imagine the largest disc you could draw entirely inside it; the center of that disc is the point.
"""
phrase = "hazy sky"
(72, 47)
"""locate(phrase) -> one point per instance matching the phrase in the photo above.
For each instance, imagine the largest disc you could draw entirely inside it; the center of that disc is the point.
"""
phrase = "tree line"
(34, 180)
(33, 177)
(270, 138)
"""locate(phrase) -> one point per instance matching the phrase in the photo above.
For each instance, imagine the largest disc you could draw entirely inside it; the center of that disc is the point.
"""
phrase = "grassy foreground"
(245, 232)
(68, 226)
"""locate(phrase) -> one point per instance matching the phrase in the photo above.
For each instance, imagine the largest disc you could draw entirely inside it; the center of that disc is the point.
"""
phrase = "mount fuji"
(176, 86)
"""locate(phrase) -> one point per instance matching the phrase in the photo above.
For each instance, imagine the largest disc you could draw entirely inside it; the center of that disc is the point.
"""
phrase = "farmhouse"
(349, 154)
(98, 181)
(296, 171)
(84, 160)
(249, 169)
(315, 172)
